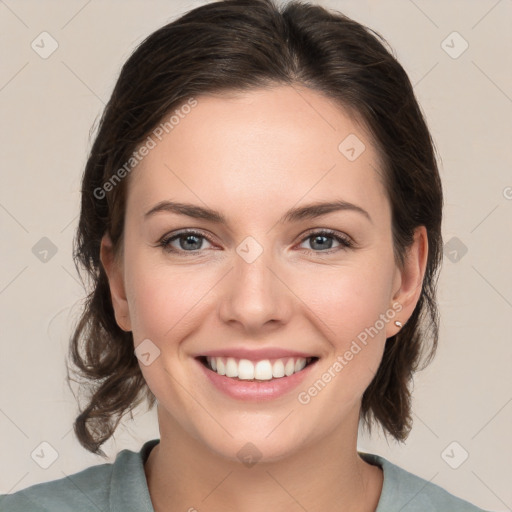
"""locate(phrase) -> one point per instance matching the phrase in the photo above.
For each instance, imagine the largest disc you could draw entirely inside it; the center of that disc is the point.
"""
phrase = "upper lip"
(255, 354)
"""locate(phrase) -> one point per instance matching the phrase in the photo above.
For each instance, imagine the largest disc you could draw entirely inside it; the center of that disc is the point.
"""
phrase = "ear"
(114, 270)
(408, 281)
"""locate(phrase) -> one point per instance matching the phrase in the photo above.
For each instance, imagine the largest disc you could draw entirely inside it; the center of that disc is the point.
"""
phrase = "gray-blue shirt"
(121, 486)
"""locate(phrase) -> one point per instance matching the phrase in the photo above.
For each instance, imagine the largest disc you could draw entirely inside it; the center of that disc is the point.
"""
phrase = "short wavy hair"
(240, 45)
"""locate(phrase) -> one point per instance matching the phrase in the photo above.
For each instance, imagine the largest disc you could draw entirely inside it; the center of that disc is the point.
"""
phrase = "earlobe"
(411, 276)
(115, 275)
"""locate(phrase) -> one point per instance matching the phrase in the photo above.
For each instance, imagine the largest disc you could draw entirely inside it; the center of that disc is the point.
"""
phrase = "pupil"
(192, 237)
(320, 237)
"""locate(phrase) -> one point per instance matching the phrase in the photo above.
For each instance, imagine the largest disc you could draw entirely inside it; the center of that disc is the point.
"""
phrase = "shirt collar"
(129, 487)
(387, 495)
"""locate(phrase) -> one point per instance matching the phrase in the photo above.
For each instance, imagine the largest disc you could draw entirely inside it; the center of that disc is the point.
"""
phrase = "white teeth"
(263, 370)
(289, 367)
(221, 368)
(278, 369)
(299, 364)
(231, 368)
(245, 369)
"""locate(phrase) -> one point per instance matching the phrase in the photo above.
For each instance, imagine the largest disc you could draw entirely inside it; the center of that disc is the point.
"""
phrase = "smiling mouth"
(263, 370)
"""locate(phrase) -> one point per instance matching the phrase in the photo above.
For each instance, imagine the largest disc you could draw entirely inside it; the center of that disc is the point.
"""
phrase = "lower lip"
(255, 390)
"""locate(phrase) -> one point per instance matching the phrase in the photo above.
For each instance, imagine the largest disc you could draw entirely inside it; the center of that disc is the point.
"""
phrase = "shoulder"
(407, 492)
(120, 485)
(82, 491)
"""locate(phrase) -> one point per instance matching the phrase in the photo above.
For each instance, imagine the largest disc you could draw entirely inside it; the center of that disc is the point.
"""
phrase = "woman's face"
(261, 280)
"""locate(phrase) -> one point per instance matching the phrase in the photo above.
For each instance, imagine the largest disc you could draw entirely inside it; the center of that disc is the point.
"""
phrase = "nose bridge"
(255, 294)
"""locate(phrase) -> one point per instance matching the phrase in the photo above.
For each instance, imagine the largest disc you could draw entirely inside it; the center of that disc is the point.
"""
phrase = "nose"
(255, 295)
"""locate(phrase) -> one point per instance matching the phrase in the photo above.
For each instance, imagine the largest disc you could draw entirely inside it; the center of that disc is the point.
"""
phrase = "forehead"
(275, 145)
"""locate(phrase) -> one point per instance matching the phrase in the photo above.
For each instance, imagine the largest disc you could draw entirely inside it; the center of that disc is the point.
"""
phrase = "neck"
(184, 474)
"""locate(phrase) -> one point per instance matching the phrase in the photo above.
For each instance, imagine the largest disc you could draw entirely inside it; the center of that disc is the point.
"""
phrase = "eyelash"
(345, 242)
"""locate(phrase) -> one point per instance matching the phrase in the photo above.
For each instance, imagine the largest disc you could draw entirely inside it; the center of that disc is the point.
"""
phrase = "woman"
(286, 146)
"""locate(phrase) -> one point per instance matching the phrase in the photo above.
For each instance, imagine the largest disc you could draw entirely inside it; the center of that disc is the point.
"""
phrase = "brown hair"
(239, 45)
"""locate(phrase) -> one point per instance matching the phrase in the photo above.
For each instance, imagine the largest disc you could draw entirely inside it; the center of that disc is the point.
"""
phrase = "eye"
(192, 240)
(320, 239)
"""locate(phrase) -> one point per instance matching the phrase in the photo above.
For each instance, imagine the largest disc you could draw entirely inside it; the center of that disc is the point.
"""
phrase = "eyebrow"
(309, 211)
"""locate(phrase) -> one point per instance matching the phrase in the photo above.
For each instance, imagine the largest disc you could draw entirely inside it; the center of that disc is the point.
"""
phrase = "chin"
(254, 443)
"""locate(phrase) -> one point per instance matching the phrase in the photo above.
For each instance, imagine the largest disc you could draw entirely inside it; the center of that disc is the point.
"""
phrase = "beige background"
(48, 107)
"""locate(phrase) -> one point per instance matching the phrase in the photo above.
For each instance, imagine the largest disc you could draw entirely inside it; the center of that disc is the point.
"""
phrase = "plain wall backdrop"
(458, 56)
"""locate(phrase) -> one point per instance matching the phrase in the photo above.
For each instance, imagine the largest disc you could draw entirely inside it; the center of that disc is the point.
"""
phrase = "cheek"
(352, 308)
(347, 299)
(165, 303)
(161, 297)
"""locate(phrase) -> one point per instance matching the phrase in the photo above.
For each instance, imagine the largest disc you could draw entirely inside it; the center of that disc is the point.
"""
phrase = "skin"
(252, 156)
